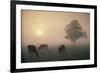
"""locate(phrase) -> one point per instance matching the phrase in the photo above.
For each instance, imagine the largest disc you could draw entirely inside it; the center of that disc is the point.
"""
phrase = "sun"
(39, 33)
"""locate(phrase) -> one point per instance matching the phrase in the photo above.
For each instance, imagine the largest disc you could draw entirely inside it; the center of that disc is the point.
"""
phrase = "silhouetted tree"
(74, 31)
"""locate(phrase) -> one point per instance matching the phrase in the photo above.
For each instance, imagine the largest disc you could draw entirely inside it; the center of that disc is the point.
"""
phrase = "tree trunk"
(74, 44)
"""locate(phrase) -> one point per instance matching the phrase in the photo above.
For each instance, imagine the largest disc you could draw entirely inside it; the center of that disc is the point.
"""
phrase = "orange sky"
(45, 27)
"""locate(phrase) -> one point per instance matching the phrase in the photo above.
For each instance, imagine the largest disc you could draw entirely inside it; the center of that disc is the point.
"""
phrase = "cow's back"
(32, 49)
(43, 46)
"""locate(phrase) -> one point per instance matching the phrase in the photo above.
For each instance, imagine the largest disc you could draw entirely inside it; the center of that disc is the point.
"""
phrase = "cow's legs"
(36, 53)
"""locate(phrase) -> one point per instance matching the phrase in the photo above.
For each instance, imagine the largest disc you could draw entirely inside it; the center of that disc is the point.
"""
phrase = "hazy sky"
(47, 27)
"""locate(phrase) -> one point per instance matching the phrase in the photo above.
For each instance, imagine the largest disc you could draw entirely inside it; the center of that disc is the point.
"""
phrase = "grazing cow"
(61, 48)
(32, 49)
(43, 46)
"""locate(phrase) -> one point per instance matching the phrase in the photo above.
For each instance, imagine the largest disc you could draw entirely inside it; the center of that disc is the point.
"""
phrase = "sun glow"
(39, 33)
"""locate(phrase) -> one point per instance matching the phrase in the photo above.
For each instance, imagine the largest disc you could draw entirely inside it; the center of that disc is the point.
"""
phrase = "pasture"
(52, 54)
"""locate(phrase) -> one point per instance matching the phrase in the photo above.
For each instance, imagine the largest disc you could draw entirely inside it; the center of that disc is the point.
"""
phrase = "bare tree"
(74, 31)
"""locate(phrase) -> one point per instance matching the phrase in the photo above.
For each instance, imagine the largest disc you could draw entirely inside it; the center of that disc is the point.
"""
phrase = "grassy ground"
(70, 53)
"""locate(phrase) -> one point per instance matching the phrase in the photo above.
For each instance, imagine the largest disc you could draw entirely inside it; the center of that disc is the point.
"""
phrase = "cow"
(61, 48)
(32, 49)
(43, 47)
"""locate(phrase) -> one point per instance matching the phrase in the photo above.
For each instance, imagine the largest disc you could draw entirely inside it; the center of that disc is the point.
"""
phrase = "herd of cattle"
(33, 49)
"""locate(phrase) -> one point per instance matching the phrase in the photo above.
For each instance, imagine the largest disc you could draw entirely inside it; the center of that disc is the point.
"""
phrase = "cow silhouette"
(32, 49)
(43, 47)
(61, 48)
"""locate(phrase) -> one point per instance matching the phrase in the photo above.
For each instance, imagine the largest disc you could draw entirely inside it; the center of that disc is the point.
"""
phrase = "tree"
(74, 31)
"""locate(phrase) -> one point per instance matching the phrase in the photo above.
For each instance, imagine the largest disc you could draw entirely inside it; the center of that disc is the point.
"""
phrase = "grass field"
(52, 54)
